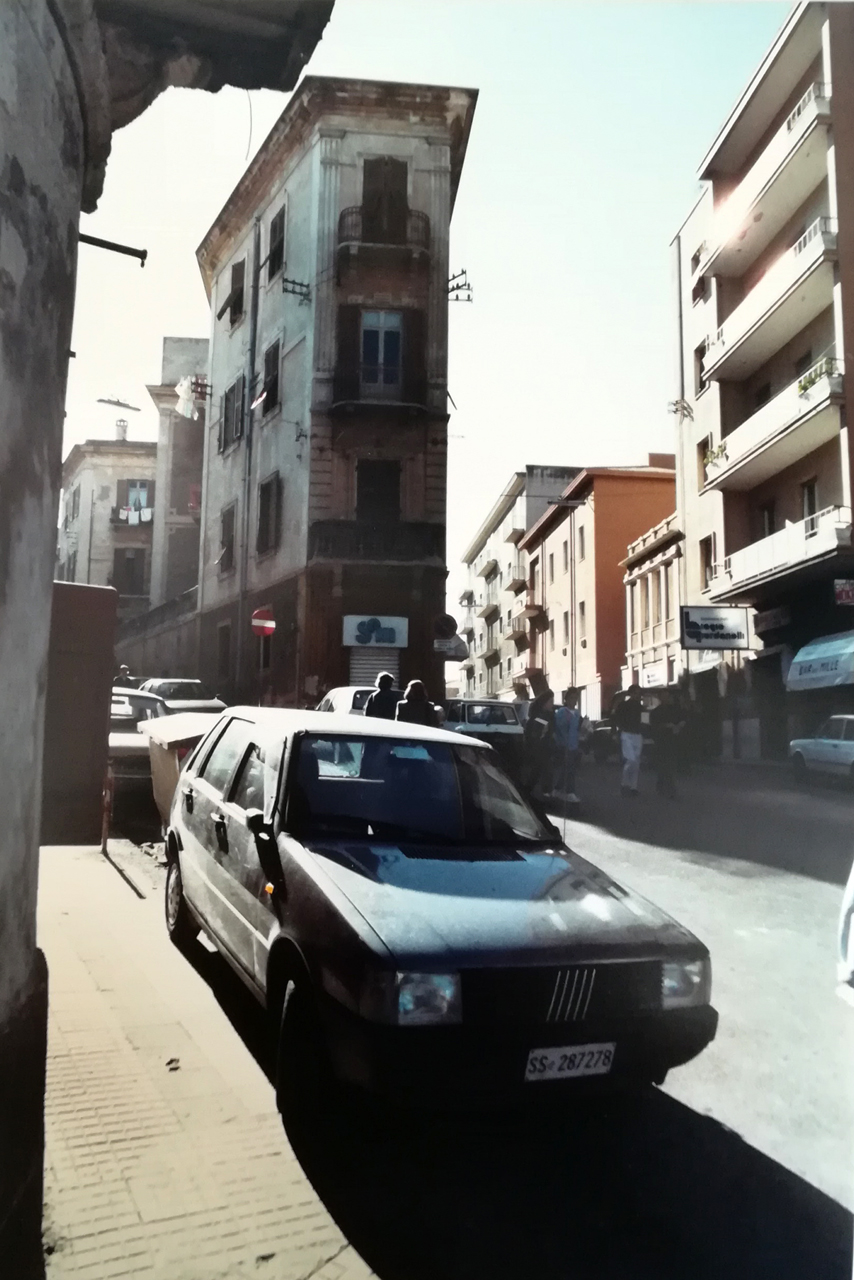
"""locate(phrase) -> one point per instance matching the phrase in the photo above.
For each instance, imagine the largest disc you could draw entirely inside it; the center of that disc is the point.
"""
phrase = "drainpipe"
(248, 397)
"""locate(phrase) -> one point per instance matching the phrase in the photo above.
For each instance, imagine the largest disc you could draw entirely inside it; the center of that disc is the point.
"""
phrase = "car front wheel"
(303, 1071)
(180, 925)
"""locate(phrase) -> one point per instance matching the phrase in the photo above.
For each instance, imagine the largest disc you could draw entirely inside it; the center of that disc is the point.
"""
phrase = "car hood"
(535, 906)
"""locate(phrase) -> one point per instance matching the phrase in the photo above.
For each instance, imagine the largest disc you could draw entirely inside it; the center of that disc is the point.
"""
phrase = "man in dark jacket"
(383, 701)
(627, 720)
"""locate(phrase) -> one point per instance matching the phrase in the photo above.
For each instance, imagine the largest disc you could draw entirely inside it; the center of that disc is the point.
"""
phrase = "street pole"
(248, 397)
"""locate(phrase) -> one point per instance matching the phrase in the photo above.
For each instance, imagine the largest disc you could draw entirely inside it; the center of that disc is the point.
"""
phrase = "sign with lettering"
(714, 627)
(380, 633)
(773, 619)
(653, 676)
(843, 590)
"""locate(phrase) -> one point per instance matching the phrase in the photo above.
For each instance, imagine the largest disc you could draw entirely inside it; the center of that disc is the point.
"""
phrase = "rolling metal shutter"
(366, 662)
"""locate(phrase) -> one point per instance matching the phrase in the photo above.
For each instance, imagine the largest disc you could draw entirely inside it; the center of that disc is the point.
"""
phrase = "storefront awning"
(823, 663)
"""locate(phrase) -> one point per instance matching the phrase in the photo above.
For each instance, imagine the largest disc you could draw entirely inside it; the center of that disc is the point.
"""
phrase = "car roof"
(281, 720)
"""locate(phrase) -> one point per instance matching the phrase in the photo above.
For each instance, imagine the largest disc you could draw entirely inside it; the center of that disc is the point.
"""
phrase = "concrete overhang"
(784, 65)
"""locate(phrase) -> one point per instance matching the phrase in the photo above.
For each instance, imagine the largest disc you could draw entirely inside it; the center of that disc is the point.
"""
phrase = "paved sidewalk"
(165, 1155)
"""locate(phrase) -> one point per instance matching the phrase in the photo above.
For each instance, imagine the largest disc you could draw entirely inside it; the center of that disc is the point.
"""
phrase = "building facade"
(180, 451)
(107, 510)
(653, 650)
(765, 301)
(324, 479)
(575, 600)
(493, 601)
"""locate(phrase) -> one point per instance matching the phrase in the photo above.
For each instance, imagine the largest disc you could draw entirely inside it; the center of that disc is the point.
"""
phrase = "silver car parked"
(829, 750)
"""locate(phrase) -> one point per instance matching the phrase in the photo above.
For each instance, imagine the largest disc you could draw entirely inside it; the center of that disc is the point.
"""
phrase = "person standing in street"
(539, 745)
(667, 720)
(416, 707)
(628, 722)
(567, 731)
(383, 701)
(124, 680)
(521, 702)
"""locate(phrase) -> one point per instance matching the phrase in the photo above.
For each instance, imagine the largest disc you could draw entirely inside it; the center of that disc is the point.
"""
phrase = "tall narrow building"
(324, 486)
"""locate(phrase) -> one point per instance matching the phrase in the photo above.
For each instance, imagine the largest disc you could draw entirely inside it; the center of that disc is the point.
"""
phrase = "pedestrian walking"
(667, 721)
(567, 721)
(416, 707)
(124, 680)
(383, 701)
(538, 745)
(628, 722)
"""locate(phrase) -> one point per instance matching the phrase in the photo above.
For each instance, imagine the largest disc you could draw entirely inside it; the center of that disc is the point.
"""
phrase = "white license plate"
(569, 1062)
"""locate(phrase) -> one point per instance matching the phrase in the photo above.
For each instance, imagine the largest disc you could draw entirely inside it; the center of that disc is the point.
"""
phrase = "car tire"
(180, 925)
(304, 1079)
(799, 768)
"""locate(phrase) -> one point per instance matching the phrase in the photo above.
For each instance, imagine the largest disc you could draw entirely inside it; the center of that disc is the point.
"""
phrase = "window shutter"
(373, 175)
(238, 408)
(346, 383)
(122, 493)
(414, 356)
(151, 484)
(396, 201)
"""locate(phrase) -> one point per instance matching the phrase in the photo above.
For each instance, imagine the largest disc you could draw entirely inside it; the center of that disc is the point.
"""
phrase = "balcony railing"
(818, 241)
(487, 603)
(731, 244)
(366, 540)
(378, 385)
(467, 622)
(746, 457)
(132, 516)
(790, 547)
(413, 232)
(518, 575)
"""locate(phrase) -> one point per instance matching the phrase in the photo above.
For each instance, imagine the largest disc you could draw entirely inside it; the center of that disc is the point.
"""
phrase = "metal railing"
(816, 90)
(366, 540)
(412, 233)
(803, 540)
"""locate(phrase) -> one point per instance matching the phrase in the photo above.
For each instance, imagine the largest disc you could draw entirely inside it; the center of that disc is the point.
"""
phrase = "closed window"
(581, 545)
(707, 561)
(381, 350)
(137, 494)
(276, 255)
(236, 294)
(377, 490)
(231, 415)
(633, 622)
(271, 378)
(248, 789)
(565, 627)
(220, 764)
(551, 634)
(226, 538)
(269, 514)
(566, 557)
(551, 568)
(656, 598)
(668, 591)
(582, 621)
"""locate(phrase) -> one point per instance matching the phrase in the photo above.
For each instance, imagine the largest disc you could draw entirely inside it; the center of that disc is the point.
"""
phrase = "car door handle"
(218, 819)
(188, 793)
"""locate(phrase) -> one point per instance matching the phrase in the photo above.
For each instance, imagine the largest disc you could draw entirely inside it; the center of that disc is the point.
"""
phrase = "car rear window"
(187, 689)
(490, 713)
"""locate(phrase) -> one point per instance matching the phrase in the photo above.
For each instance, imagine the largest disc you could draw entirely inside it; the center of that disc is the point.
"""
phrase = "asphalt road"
(741, 1166)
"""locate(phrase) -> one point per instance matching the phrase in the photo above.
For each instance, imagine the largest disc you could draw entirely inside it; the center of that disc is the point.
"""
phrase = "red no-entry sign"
(263, 622)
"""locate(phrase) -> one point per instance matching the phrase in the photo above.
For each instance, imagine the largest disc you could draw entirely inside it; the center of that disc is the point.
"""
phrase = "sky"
(591, 121)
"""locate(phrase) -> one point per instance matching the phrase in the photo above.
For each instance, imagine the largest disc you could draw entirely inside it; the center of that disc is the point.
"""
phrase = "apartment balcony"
(485, 564)
(801, 418)
(518, 576)
(131, 517)
(513, 528)
(365, 540)
(492, 652)
(487, 604)
(410, 233)
(518, 627)
(790, 167)
(467, 596)
(468, 623)
(816, 538)
(791, 293)
(532, 610)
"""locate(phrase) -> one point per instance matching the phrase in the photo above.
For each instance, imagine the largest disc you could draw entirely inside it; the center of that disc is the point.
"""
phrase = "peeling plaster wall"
(41, 164)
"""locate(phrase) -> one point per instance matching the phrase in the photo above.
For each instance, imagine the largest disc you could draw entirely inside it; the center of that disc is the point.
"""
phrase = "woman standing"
(415, 707)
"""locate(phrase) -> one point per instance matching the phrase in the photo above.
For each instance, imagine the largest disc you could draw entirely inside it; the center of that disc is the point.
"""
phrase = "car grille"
(570, 994)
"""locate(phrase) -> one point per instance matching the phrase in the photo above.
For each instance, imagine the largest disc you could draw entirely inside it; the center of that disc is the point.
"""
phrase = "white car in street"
(350, 699)
(829, 750)
(184, 695)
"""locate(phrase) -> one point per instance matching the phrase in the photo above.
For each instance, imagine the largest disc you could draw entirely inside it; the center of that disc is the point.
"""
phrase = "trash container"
(170, 741)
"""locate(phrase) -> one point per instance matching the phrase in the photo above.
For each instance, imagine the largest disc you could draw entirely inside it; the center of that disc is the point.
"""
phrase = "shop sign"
(379, 633)
(843, 590)
(654, 676)
(774, 619)
(714, 627)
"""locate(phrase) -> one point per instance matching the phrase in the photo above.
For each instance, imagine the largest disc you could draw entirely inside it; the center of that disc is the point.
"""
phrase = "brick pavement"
(165, 1155)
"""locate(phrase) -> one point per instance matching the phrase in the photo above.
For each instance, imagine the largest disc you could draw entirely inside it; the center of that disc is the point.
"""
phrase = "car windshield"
(187, 690)
(127, 713)
(406, 790)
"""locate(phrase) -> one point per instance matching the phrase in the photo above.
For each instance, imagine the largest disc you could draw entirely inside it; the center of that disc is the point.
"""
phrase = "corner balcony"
(411, 232)
(513, 528)
(790, 167)
(797, 288)
(801, 418)
(794, 547)
(518, 577)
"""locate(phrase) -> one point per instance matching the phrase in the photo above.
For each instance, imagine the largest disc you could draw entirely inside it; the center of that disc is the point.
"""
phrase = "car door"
(246, 899)
(205, 820)
(186, 821)
(827, 746)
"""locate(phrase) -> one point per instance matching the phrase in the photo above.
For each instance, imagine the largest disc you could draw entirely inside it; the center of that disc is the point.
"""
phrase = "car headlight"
(685, 983)
(424, 999)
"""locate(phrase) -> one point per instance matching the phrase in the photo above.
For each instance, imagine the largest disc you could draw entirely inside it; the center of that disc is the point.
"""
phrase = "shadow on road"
(660, 1193)
(750, 814)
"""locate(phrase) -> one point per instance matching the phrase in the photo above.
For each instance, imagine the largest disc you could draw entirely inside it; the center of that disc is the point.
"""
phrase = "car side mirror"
(268, 854)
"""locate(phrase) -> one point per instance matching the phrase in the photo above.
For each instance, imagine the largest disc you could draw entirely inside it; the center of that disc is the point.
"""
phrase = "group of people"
(413, 708)
(666, 722)
(552, 746)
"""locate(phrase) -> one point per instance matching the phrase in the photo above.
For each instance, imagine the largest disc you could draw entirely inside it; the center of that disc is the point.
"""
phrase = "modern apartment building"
(765, 304)
(107, 507)
(324, 485)
(654, 655)
(575, 600)
(493, 602)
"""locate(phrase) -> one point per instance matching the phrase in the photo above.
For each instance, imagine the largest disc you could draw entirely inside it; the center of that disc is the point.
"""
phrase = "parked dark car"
(411, 924)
